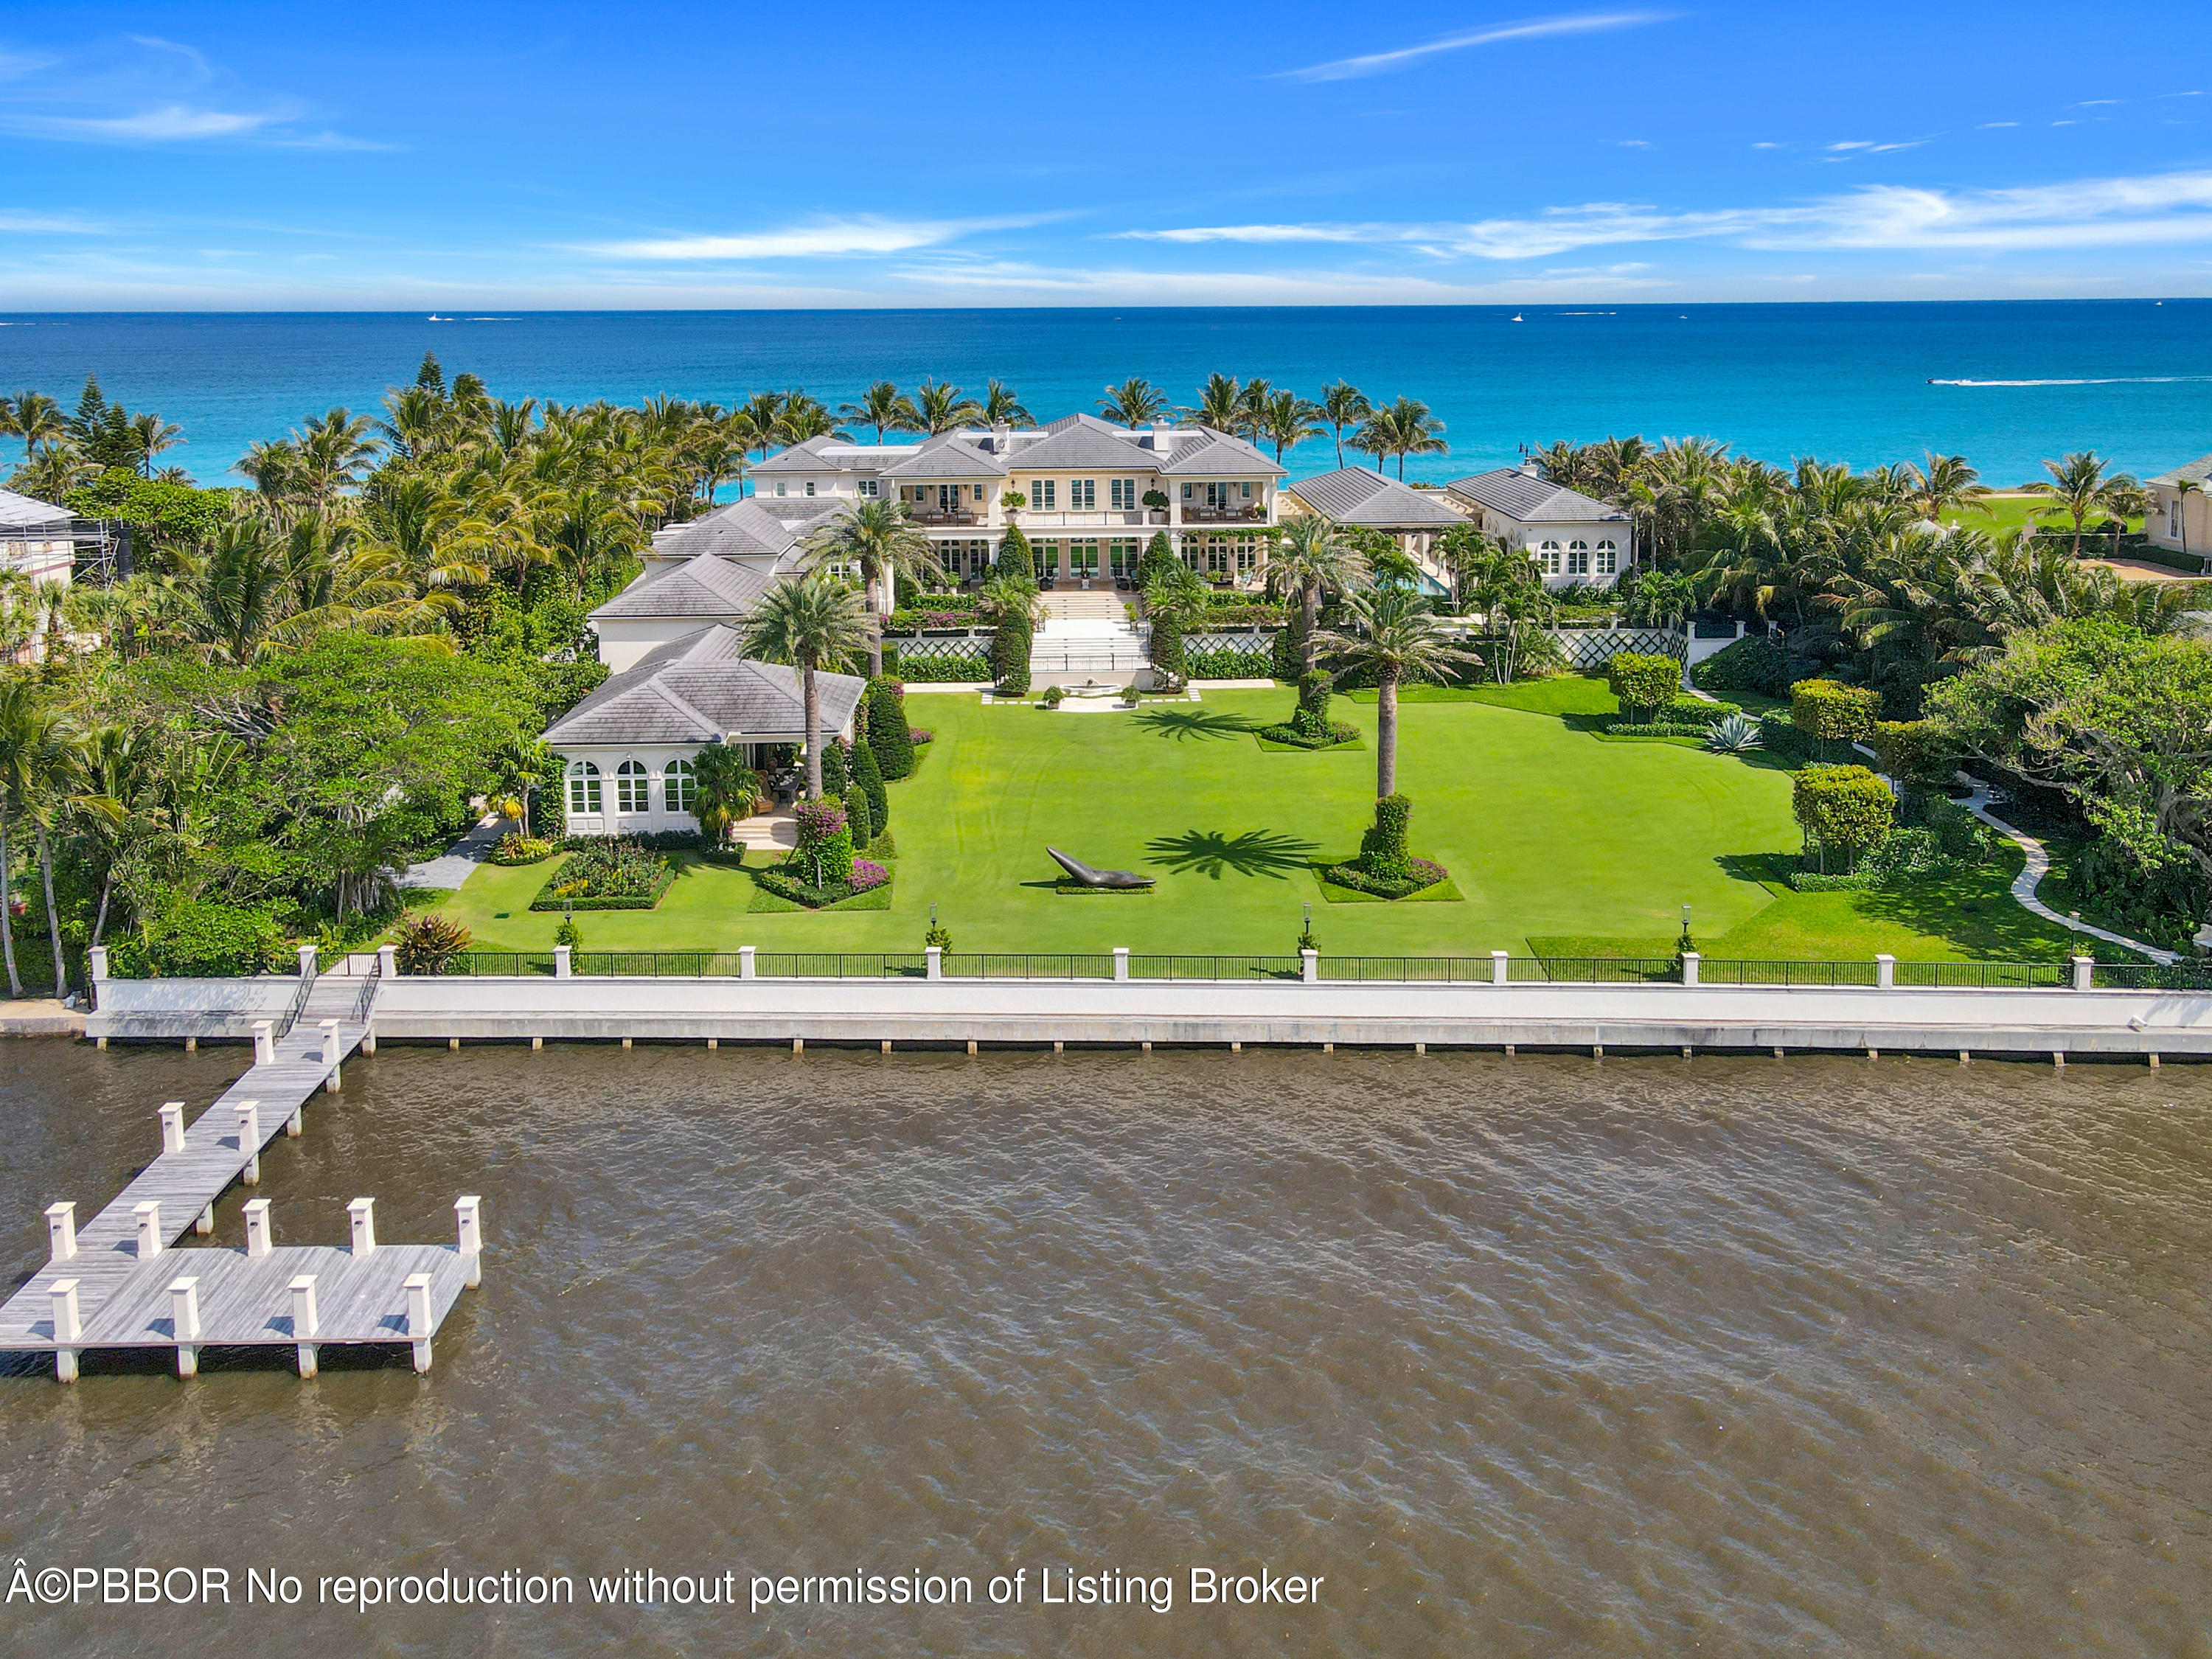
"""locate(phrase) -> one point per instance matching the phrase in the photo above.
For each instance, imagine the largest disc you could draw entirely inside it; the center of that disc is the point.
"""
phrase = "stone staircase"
(1086, 636)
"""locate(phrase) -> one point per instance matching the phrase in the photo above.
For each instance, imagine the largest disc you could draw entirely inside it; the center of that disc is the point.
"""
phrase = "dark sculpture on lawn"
(1077, 871)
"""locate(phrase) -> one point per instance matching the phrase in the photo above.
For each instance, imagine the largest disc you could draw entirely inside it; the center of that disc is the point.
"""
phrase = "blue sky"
(188, 156)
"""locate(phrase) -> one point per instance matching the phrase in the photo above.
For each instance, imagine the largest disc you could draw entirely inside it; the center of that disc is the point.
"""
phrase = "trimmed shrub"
(1288, 648)
(868, 777)
(887, 729)
(1644, 684)
(569, 934)
(1779, 734)
(1166, 648)
(824, 852)
(1159, 560)
(1829, 712)
(1914, 751)
(961, 668)
(1017, 558)
(1420, 874)
(1753, 665)
(1383, 852)
(857, 816)
(1846, 807)
(512, 850)
(194, 938)
(1695, 711)
(1010, 656)
(1257, 662)
(428, 942)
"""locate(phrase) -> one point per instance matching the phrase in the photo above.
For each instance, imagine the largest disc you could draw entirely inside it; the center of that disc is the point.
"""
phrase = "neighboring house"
(1083, 482)
(1357, 498)
(670, 602)
(629, 745)
(2177, 519)
(35, 543)
(1573, 539)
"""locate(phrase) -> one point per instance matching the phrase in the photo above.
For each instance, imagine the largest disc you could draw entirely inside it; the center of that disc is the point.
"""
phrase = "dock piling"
(203, 1223)
(148, 1217)
(362, 1214)
(69, 1325)
(419, 1322)
(468, 1213)
(304, 1321)
(61, 1232)
(257, 1236)
(173, 1126)
(184, 1323)
(330, 1029)
(264, 1043)
(249, 1140)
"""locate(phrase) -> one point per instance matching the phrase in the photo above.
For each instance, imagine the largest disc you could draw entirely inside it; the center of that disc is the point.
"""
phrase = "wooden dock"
(119, 1283)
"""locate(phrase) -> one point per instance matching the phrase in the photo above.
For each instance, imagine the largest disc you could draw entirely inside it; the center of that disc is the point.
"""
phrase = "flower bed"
(614, 875)
(785, 883)
(512, 850)
(1427, 872)
(1290, 737)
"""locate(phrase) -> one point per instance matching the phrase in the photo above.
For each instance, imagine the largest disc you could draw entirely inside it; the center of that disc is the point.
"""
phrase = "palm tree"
(1287, 420)
(2080, 487)
(1343, 404)
(883, 407)
(52, 471)
(881, 539)
(1001, 407)
(334, 449)
(941, 408)
(24, 729)
(725, 786)
(2182, 491)
(36, 419)
(1135, 403)
(1396, 638)
(799, 418)
(1310, 555)
(813, 622)
(1946, 483)
(155, 435)
(54, 791)
(1405, 428)
(1220, 404)
(242, 588)
(1252, 407)
(1502, 581)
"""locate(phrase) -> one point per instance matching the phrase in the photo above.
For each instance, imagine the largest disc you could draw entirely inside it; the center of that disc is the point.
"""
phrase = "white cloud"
(827, 239)
(153, 91)
(1636, 143)
(167, 123)
(1765, 143)
(1383, 62)
(1986, 126)
(47, 224)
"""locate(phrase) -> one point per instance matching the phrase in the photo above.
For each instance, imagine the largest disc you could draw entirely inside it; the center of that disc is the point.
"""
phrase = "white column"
(1885, 972)
(2084, 967)
(563, 958)
(184, 1322)
(304, 1324)
(468, 1212)
(418, 1318)
(61, 1232)
(99, 964)
(745, 962)
(1690, 961)
(264, 1043)
(68, 1327)
(1120, 961)
(330, 1030)
(249, 1140)
(258, 1239)
(936, 955)
(307, 955)
(173, 1126)
(387, 961)
(1309, 967)
(149, 1218)
(1499, 973)
(363, 1212)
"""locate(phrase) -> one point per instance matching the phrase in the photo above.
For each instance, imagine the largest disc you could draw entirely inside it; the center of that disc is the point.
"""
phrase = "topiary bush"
(824, 853)
(1915, 752)
(1010, 655)
(1384, 852)
(836, 767)
(1169, 660)
(1159, 560)
(857, 816)
(1829, 712)
(1645, 683)
(869, 779)
(1754, 666)
(568, 932)
(888, 733)
(1017, 558)
(1845, 807)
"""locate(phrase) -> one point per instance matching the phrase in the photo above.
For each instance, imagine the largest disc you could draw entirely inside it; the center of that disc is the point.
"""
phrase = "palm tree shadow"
(1182, 724)
(1210, 851)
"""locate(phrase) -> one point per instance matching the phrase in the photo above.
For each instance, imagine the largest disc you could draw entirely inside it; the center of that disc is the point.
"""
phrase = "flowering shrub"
(513, 849)
(867, 873)
(921, 736)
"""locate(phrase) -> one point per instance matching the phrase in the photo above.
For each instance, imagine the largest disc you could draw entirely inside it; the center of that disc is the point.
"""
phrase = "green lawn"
(1547, 832)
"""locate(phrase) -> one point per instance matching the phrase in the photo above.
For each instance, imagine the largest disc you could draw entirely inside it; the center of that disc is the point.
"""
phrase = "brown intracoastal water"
(1531, 1356)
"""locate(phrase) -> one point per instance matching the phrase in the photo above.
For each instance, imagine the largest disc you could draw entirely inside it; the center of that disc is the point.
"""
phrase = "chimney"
(1002, 436)
(1162, 444)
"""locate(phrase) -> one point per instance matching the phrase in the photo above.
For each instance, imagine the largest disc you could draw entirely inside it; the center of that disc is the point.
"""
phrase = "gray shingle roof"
(1534, 499)
(1077, 443)
(28, 510)
(752, 528)
(700, 688)
(2197, 472)
(1218, 455)
(831, 454)
(1354, 496)
(703, 585)
(949, 455)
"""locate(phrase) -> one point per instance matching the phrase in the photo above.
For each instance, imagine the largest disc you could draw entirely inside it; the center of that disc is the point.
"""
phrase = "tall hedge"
(1844, 807)
(1643, 683)
(1832, 713)
(1017, 558)
(889, 735)
(1159, 558)
(1166, 647)
(1753, 663)
(1010, 655)
(868, 779)
(858, 818)
(1915, 751)
(1384, 852)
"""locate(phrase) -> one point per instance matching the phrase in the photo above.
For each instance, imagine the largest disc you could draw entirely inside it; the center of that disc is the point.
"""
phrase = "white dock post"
(935, 953)
(264, 1045)
(563, 962)
(1120, 961)
(307, 957)
(746, 961)
(368, 1038)
(1498, 966)
(258, 1239)
(148, 1217)
(173, 1126)
(61, 1232)
(1309, 967)
(2084, 968)
(67, 1327)
(1690, 961)
(304, 1324)
(468, 1212)
(184, 1322)
(99, 955)
(418, 1319)
(1885, 972)
(249, 1140)
(387, 962)
(330, 1029)
(363, 1212)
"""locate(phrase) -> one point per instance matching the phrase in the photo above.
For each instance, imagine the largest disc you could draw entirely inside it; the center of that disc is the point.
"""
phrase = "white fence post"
(362, 1214)
(1120, 961)
(1690, 960)
(935, 953)
(305, 1321)
(257, 1239)
(1309, 967)
(99, 954)
(2084, 968)
(249, 1140)
(69, 1325)
(1499, 971)
(307, 955)
(264, 1043)
(184, 1324)
(61, 1232)
(173, 1126)
(564, 961)
(746, 961)
(387, 961)
(149, 1218)
(418, 1318)
(1885, 972)
(468, 1212)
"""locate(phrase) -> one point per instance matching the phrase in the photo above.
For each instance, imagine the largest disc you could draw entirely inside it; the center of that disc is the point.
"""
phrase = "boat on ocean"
(1517, 317)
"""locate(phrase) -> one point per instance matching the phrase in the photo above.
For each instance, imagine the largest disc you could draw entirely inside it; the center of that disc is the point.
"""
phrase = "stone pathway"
(2037, 867)
(458, 862)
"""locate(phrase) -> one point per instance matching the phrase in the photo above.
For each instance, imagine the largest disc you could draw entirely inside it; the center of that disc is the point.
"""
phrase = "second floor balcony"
(939, 516)
(1236, 513)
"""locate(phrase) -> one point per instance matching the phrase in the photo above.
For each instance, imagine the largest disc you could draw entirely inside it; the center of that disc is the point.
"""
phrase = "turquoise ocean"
(2007, 384)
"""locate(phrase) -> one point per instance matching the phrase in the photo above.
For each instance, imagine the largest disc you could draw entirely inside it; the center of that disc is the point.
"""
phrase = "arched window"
(1578, 558)
(1548, 557)
(677, 791)
(583, 787)
(1609, 559)
(633, 791)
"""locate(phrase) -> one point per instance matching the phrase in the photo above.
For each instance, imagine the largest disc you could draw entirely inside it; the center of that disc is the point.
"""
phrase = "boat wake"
(2100, 379)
